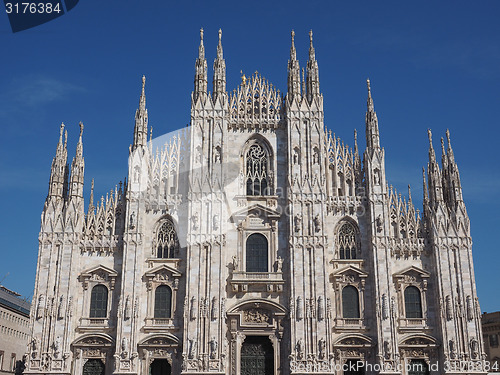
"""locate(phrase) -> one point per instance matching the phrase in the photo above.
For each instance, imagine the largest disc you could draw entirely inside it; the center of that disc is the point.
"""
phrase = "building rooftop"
(11, 300)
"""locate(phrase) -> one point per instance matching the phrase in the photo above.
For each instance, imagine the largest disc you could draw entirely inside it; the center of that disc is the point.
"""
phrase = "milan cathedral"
(254, 242)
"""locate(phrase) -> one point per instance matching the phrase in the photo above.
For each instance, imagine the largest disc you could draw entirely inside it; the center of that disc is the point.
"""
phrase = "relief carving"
(258, 316)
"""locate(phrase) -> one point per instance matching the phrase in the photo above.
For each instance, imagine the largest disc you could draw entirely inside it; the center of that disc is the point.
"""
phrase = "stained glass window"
(257, 173)
(347, 241)
(167, 243)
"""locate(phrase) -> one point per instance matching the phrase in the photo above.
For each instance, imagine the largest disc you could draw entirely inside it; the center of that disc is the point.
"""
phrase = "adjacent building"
(491, 332)
(14, 330)
(255, 242)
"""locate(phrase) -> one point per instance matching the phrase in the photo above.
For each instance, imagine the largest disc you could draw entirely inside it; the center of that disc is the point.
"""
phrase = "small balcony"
(158, 324)
(257, 281)
(412, 323)
(92, 324)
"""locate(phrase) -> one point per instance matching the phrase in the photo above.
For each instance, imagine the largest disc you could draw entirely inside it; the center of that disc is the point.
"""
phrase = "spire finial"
(355, 141)
(61, 131)
(448, 138)
(219, 49)
(201, 49)
(81, 129)
(432, 155)
(370, 99)
(142, 100)
(312, 55)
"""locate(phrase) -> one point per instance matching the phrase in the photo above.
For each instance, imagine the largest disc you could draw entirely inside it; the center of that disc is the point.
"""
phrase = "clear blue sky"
(432, 65)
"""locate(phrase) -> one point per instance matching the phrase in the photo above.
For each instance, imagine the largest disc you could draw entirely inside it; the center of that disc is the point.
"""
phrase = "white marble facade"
(255, 230)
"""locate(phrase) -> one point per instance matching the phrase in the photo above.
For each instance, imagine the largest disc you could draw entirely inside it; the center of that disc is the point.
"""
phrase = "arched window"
(163, 302)
(413, 303)
(99, 302)
(167, 243)
(350, 302)
(347, 241)
(257, 170)
(256, 253)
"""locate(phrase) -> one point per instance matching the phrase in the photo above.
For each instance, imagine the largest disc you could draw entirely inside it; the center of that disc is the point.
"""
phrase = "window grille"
(413, 304)
(99, 302)
(350, 302)
(163, 302)
(257, 253)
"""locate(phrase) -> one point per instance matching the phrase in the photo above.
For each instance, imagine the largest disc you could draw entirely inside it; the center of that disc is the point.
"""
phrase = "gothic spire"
(293, 71)
(200, 78)
(312, 72)
(372, 133)
(452, 175)
(219, 82)
(77, 169)
(357, 159)
(356, 151)
(59, 169)
(434, 174)
(141, 120)
(426, 196)
(451, 157)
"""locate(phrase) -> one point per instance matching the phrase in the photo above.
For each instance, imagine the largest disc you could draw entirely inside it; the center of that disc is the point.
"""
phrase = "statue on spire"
(219, 81)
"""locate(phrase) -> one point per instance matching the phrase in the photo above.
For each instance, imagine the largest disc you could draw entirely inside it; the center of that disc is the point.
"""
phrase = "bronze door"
(93, 367)
(257, 356)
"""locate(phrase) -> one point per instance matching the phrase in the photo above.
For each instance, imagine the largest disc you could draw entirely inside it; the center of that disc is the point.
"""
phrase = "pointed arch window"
(167, 243)
(350, 302)
(99, 302)
(257, 170)
(256, 253)
(413, 303)
(347, 241)
(163, 302)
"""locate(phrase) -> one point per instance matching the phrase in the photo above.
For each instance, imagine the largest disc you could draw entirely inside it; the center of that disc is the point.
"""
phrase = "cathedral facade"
(254, 242)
